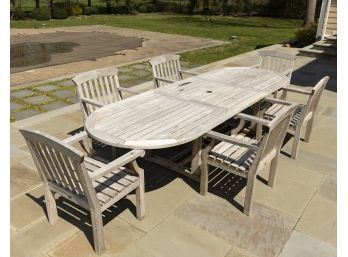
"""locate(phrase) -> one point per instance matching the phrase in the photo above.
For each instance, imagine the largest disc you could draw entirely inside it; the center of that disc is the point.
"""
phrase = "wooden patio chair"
(304, 114)
(97, 88)
(91, 184)
(166, 69)
(277, 61)
(245, 156)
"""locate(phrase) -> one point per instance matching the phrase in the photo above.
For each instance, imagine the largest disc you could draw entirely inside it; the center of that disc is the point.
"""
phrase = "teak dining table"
(182, 112)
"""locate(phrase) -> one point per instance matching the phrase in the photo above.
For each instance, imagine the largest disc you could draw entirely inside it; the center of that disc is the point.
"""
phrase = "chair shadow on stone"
(79, 217)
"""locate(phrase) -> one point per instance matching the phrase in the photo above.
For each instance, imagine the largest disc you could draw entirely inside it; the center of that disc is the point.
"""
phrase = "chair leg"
(140, 199)
(249, 194)
(272, 171)
(308, 130)
(98, 233)
(296, 143)
(204, 174)
(51, 206)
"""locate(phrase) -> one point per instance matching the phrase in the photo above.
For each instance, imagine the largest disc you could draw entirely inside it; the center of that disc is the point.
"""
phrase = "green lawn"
(251, 32)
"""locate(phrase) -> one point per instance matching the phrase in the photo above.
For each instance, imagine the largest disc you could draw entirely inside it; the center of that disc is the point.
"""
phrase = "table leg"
(196, 156)
(256, 112)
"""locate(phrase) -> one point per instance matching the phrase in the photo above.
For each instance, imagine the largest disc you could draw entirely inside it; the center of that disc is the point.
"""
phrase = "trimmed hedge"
(59, 13)
(146, 8)
(41, 14)
(89, 10)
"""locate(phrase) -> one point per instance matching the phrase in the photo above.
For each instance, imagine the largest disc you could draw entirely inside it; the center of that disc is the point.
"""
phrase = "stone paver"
(237, 252)
(15, 106)
(328, 188)
(22, 179)
(41, 236)
(53, 106)
(64, 93)
(21, 93)
(175, 237)
(287, 195)
(40, 99)
(46, 88)
(160, 203)
(319, 220)
(300, 244)
(26, 209)
(67, 83)
(266, 228)
(24, 114)
(118, 236)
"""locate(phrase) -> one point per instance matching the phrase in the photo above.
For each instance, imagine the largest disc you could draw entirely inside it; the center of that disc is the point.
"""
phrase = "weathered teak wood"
(97, 88)
(277, 61)
(183, 111)
(91, 184)
(166, 69)
(244, 156)
(304, 114)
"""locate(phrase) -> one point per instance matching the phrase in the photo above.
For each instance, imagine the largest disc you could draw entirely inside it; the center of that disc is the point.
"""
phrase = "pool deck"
(154, 44)
(297, 218)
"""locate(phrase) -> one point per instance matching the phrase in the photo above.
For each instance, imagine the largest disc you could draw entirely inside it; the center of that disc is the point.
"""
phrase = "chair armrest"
(278, 101)
(76, 138)
(231, 140)
(164, 80)
(287, 72)
(91, 102)
(119, 162)
(128, 90)
(252, 119)
(297, 90)
(189, 72)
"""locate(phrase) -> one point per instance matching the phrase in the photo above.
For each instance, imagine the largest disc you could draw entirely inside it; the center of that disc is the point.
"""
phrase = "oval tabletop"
(183, 111)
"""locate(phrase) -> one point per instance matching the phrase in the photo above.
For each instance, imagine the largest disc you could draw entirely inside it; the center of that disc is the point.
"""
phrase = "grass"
(250, 32)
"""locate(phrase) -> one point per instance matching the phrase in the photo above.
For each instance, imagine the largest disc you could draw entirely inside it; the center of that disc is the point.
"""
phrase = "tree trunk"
(225, 7)
(37, 3)
(205, 6)
(89, 3)
(310, 13)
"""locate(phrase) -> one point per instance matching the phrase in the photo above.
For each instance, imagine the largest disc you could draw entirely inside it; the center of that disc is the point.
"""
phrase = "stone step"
(331, 39)
(310, 51)
(322, 45)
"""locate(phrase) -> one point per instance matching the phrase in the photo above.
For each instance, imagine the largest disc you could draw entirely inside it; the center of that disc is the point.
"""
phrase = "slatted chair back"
(275, 132)
(277, 61)
(60, 166)
(166, 67)
(101, 85)
(313, 99)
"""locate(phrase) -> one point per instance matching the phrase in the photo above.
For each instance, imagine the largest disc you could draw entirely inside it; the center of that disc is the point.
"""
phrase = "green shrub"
(120, 9)
(87, 10)
(306, 36)
(59, 13)
(41, 14)
(75, 9)
(169, 6)
(147, 8)
(18, 14)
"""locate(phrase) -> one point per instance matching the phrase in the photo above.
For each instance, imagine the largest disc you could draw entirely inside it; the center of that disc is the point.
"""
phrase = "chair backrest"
(277, 61)
(275, 132)
(313, 99)
(101, 85)
(59, 165)
(167, 67)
